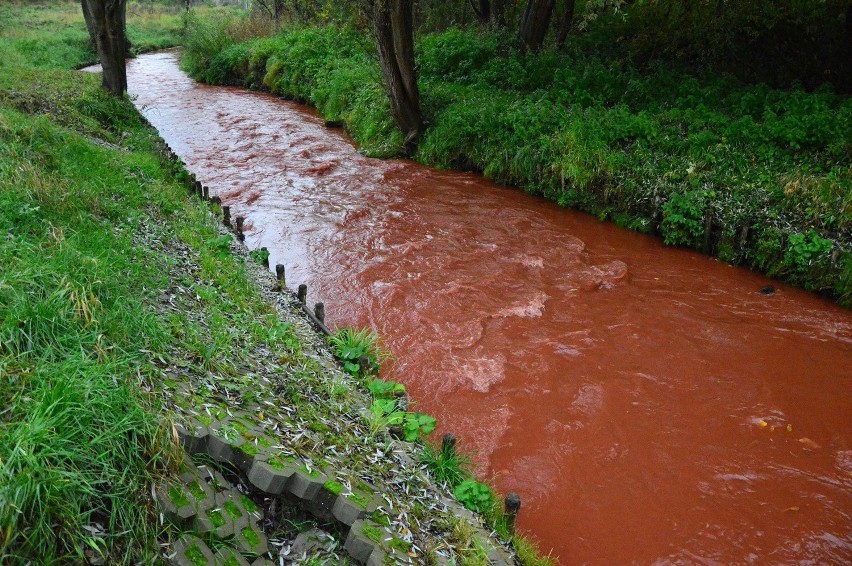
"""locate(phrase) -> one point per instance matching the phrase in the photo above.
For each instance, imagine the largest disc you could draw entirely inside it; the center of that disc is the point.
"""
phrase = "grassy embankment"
(80, 440)
(657, 150)
(119, 305)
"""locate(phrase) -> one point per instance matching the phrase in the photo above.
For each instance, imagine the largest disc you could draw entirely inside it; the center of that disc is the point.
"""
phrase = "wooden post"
(279, 275)
(240, 236)
(448, 444)
(303, 294)
(205, 192)
(364, 365)
(226, 215)
(319, 312)
(707, 246)
(265, 259)
(512, 505)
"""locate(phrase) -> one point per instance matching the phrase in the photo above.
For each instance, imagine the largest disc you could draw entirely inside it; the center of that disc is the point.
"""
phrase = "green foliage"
(221, 244)
(683, 219)
(384, 413)
(351, 345)
(804, 249)
(446, 464)
(475, 496)
(260, 255)
(385, 389)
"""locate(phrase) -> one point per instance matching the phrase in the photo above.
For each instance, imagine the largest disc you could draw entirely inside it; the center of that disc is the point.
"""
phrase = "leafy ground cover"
(754, 175)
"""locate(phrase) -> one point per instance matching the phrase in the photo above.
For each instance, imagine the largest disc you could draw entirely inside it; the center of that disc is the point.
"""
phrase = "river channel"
(648, 404)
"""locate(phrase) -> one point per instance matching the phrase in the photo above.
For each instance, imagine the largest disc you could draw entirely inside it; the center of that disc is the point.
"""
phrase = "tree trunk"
(498, 12)
(565, 23)
(90, 25)
(534, 24)
(482, 9)
(393, 24)
(107, 19)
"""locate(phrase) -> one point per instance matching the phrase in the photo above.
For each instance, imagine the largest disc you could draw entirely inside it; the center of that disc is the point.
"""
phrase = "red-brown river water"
(647, 403)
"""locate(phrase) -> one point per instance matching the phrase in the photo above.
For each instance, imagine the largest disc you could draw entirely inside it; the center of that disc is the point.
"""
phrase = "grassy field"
(659, 150)
(80, 440)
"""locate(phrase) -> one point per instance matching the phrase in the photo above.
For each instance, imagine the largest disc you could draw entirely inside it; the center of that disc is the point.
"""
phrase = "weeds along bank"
(756, 176)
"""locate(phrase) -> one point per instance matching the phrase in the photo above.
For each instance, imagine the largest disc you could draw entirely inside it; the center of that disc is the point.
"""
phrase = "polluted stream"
(648, 404)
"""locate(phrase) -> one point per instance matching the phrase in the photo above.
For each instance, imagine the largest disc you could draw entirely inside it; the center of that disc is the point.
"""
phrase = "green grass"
(654, 149)
(448, 466)
(350, 345)
(80, 441)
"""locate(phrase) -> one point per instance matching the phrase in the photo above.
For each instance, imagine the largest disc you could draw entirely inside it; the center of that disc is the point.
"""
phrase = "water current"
(648, 404)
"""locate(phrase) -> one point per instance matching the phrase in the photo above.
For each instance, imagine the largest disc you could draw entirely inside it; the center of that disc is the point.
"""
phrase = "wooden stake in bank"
(303, 294)
(512, 505)
(279, 275)
(319, 312)
(448, 444)
(240, 236)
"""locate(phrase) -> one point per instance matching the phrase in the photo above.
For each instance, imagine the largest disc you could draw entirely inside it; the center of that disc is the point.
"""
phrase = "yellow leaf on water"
(789, 428)
(763, 424)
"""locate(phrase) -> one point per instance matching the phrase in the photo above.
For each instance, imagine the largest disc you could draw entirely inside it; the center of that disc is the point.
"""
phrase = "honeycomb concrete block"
(388, 557)
(190, 551)
(224, 441)
(219, 522)
(306, 485)
(358, 544)
(174, 503)
(193, 437)
(198, 489)
(321, 504)
(250, 539)
(255, 447)
(229, 502)
(220, 449)
(268, 478)
(348, 508)
(230, 557)
(214, 479)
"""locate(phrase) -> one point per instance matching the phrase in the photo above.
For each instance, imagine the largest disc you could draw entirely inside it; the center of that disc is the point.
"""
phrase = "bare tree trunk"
(90, 25)
(498, 12)
(565, 23)
(107, 19)
(482, 9)
(393, 24)
(534, 24)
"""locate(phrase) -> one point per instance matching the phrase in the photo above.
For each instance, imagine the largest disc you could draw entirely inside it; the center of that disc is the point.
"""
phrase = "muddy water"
(647, 403)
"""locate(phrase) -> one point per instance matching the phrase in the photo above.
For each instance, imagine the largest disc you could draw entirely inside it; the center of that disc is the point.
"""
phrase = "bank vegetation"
(723, 127)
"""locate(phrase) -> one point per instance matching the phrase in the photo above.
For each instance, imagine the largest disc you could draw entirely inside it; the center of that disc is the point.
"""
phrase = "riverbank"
(755, 176)
(128, 315)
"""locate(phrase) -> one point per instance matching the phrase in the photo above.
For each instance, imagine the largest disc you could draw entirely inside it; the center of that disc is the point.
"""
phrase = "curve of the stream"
(647, 403)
